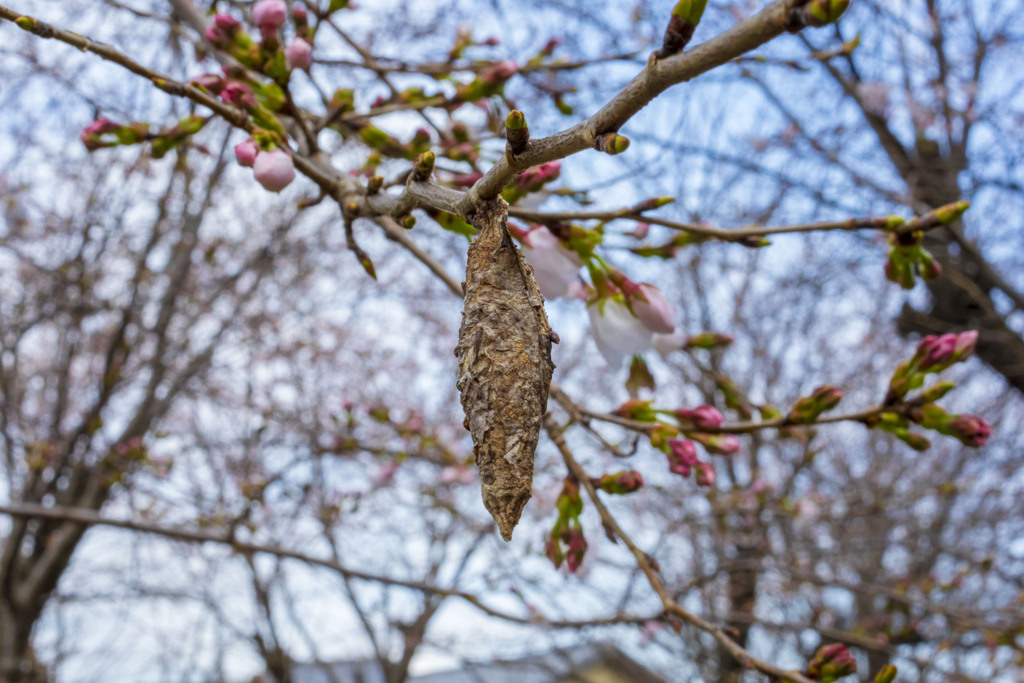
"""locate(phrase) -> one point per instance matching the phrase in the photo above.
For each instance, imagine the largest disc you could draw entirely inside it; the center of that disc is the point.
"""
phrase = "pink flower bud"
(682, 456)
(500, 72)
(704, 417)
(221, 31)
(274, 170)
(90, 136)
(620, 483)
(832, 662)
(705, 474)
(654, 310)
(970, 429)
(718, 444)
(269, 13)
(298, 55)
(211, 83)
(532, 179)
(217, 36)
(238, 94)
(245, 153)
(227, 23)
(940, 350)
(577, 548)
(965, 342)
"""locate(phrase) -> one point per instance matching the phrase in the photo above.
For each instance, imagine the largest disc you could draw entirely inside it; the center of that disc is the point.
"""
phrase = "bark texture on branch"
(504, 365)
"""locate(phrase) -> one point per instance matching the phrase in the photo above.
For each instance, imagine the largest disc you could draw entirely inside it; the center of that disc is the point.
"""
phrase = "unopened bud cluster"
(566, 543)
(933, 355)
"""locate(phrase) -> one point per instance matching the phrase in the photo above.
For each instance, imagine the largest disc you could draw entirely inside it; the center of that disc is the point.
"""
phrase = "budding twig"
(643, 562)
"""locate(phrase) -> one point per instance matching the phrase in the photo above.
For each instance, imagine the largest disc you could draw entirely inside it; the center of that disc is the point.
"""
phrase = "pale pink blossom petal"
(656, 312)
(554, 266)
(298, 55)
(617, 332)
(665, 344)
(274, 170)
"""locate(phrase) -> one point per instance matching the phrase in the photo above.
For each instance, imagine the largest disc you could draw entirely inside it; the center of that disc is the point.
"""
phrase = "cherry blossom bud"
(534, 178)
(620, 483)
(227, 23)
(703, 417)
(216, 36)
(718, 444)
(831, 662)
(617, 332)
(90, 135)
(238, 94)
(682, 456)
(970, 429)
(577, 548)
(936, 350)
(212, 83)
(269, 13)
(635, 409)
(965, 342)
(554, 266)
(705, 474)
(654, 311)
(245, 153)
(298, 55)
(500, 72)
(274, 170)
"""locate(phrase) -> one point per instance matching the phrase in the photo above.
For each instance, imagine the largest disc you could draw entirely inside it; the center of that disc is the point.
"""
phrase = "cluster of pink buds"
(565, 542)
(933, 354)
(575, 547)
(225, 33)
(274, 169)
(682, 460)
